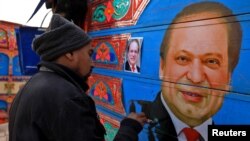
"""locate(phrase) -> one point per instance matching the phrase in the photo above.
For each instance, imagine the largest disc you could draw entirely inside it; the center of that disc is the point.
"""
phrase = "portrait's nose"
(196, 73)
(133, 53)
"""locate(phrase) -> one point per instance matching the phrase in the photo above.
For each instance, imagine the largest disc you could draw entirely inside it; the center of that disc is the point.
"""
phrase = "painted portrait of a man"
(132, 63)
(198, 54)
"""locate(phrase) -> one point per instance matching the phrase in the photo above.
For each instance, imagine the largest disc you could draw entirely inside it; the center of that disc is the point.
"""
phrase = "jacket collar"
(66, 73)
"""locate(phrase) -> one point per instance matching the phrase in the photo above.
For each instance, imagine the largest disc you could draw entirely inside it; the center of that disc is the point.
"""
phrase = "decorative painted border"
(10, 33)
(107, 92)
(4, 43)
(111, 126)
(9, 61)
(5, 103)
(11, 87)
(115, 13)
(109, 51)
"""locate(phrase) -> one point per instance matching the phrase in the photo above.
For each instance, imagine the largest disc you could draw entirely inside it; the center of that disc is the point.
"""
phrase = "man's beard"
(85, 77)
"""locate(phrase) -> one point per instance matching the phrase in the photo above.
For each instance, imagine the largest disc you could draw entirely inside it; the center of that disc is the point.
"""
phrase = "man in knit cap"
(53, 105)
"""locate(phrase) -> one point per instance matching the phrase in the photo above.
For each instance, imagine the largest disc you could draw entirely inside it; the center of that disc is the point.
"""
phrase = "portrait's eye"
(212, 63)
(182, 60)
(133, 51)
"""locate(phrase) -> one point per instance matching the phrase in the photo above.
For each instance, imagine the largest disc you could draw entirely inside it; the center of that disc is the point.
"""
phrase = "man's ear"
(69, 56)
(161, 69)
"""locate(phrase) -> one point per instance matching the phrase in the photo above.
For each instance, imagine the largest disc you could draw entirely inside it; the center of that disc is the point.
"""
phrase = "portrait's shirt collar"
(179, 125)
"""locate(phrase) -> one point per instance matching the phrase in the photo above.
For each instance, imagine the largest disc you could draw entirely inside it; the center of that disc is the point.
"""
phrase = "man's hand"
(140, 117)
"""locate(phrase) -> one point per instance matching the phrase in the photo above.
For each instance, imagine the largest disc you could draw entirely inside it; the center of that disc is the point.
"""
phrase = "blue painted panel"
(16, 67)
(4, 64)
(234, 110)
(27, 58)
(3, 105)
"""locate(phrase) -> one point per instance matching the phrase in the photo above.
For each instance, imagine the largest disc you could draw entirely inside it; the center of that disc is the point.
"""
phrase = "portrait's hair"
(224, 13)
(131, 41)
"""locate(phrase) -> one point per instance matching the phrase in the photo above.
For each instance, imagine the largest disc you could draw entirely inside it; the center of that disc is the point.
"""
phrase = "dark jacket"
(53, 106)
(127, 67)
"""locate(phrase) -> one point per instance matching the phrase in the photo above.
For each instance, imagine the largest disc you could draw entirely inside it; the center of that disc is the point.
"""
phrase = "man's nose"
(196, 72)
(91, 63)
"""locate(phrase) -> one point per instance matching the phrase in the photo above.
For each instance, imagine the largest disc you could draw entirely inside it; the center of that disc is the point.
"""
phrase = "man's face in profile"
(197, 66)
(82, 61)
(133, 53)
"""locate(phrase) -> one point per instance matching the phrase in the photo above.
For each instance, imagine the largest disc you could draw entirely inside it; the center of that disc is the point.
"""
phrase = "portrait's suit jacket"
(162, 128)
(127, 67)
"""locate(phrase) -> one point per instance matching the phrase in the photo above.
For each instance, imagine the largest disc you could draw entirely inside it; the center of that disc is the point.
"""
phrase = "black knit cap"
(61, 37)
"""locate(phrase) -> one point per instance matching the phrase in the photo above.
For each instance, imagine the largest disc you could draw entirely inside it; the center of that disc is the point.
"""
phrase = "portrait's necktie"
(191, 134)
(133, 68)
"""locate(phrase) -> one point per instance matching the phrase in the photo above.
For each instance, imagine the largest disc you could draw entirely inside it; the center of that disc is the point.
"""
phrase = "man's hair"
(131, 41)
(233, 28)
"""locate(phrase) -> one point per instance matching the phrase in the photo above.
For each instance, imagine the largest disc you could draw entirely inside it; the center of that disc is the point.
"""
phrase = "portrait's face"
(196, 69)
(133, 53)
(84, 61)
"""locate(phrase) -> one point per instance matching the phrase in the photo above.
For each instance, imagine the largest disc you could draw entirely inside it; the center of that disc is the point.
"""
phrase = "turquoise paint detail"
(111, 132)
(121, 8)
(99, 15)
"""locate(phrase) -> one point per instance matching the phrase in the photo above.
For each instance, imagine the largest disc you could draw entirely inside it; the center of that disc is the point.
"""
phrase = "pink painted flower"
(109, 11)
